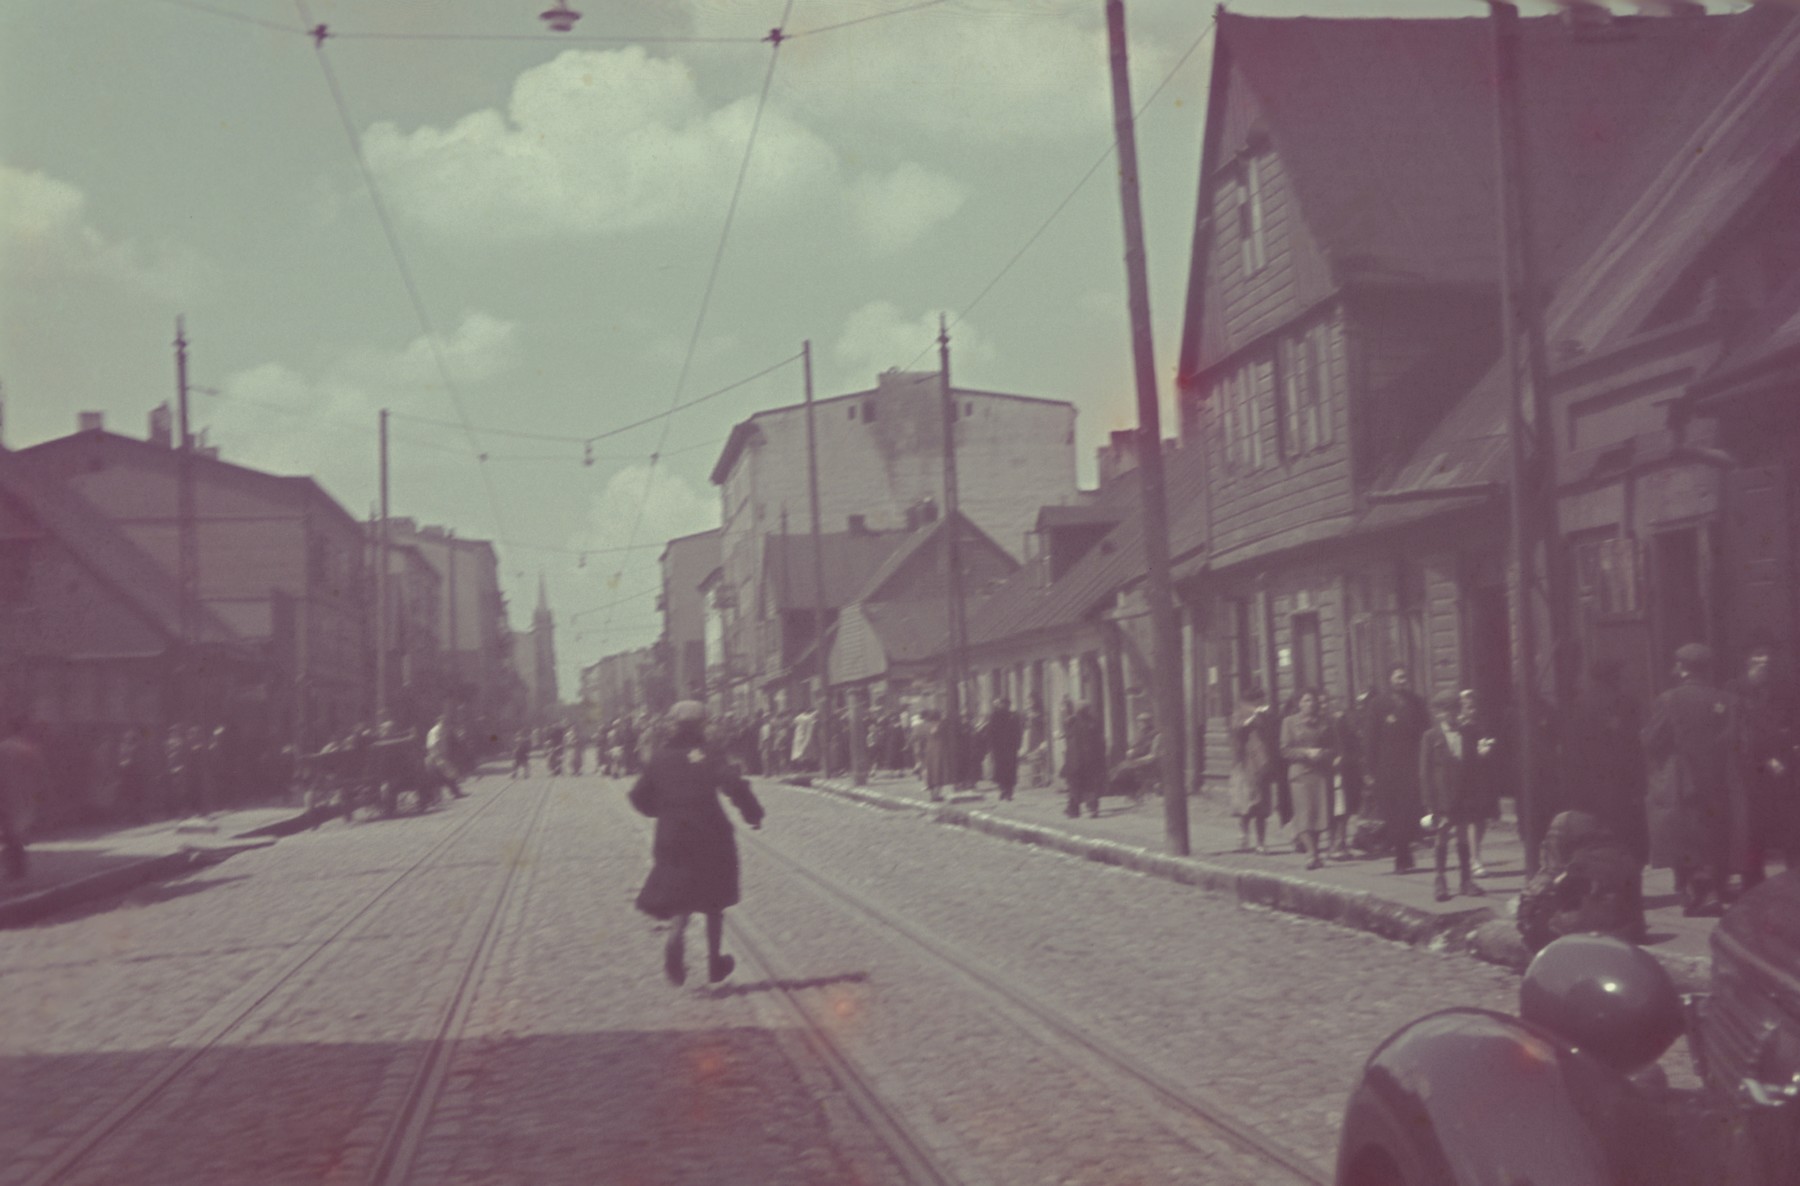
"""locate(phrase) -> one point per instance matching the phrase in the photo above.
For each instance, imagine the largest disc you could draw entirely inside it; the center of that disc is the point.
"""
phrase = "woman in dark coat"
(695, 864)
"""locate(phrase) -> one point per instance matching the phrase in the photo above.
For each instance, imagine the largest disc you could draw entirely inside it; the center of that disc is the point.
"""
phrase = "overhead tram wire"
(320, 34)
(593, 438)
(228, 14)
(1111, 148)
(863, 20)
(775, 38)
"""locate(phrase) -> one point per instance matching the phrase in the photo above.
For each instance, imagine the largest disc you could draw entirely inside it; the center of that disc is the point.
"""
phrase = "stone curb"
(29, 908)
(1481, 932)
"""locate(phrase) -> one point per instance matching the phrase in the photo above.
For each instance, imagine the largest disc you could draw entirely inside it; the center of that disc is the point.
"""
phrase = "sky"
(521, 244)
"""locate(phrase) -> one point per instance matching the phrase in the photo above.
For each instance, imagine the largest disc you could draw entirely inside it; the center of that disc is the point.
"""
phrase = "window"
(1252, 247)
(1242, 417)
(852, 411)
(15, 572)
(1609, 577)
(868, 411)
(1305, 390)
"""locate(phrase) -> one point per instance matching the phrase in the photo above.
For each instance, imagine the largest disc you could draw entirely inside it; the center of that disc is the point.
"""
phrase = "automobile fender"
(1469, 1097)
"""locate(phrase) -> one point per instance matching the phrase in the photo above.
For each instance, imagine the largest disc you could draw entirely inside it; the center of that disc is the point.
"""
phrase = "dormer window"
(1253, 248)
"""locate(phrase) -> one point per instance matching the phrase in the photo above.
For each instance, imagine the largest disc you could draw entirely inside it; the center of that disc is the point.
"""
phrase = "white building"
(880, 456)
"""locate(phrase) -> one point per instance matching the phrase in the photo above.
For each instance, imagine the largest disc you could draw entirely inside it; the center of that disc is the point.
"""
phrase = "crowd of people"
(1704, 786)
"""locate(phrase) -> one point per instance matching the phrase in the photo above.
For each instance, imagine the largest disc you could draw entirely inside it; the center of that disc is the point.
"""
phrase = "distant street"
(471, 997)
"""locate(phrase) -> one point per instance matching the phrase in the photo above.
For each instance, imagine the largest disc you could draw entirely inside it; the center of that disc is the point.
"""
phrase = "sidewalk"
(1362, 893)
(85, 864)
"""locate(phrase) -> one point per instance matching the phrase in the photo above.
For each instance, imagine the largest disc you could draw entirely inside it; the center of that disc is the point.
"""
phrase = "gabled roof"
(1386, 128)
(851, 559)
(917, 541)
(104, 550)
(1027, 602)
(283, 486)
(1736, 127)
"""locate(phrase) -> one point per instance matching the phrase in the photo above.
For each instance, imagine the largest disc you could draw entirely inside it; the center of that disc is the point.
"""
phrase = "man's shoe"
(720, 967)
(1469, 889)
(674, 960)
(1441, 890)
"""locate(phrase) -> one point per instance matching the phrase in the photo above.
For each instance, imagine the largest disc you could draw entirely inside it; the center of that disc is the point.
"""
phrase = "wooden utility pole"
(187, 542)
(1158, 587)
(381, 584)
(1531, 440)
(955, 658)
(823, 729)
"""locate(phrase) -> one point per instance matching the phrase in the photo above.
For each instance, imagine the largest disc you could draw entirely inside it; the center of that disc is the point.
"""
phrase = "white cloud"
(593, 143)
(621, 587)
(879, 336)
(45, 236)
(275, 417)
(895, 211)
(982, 75)
(611, 142)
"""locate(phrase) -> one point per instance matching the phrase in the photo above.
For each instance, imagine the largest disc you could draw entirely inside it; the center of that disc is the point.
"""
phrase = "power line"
(863, 20)
(522, 434)
(1111, 147)
(775, 38)
(563, 37)
(320, 35)
(235, 16)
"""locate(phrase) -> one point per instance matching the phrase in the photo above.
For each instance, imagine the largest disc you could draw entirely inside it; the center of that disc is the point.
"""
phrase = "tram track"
(400, 1149)
(1181, 1106)
(253, 1000)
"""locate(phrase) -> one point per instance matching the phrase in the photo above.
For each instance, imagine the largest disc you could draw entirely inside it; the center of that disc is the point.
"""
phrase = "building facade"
(880, 458)
(280, 562)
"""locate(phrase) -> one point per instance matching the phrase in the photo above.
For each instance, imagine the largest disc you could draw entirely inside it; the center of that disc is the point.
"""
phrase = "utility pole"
(1530, 436)
(188, 546)
(1158, 587)
(956, 658)
(812, 494)
(381, 583)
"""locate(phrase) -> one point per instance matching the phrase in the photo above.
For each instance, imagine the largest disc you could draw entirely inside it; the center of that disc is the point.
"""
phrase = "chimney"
(1117, 457)
(90, 421)
(162, 426)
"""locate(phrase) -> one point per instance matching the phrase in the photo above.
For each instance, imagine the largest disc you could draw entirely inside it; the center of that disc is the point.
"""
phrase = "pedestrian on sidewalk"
(1767, 770)
(521, 767)
(437, 757)
(1084, 762)
(1255, 738)
(694, 867)
(24, 783)
(1692, 742)
(1395, 725)
(1446, 765)
(1347, 776)
(1306, 748)
(1001, 735)
(1485, 765)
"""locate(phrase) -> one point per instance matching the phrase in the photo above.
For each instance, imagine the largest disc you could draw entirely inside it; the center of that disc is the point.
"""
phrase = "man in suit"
(1002, 735)
(1395, 724)
(1692, 744)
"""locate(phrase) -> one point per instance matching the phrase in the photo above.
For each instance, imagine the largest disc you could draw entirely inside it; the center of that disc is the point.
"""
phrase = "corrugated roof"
(1387, 128)
(105, 550)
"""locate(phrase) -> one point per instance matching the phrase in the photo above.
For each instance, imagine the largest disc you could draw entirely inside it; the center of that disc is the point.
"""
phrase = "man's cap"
(1694, 655)
(1446, 702)
(687, 710)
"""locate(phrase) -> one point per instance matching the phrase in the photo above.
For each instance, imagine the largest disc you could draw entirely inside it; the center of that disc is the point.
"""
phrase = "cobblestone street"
(470, 997)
